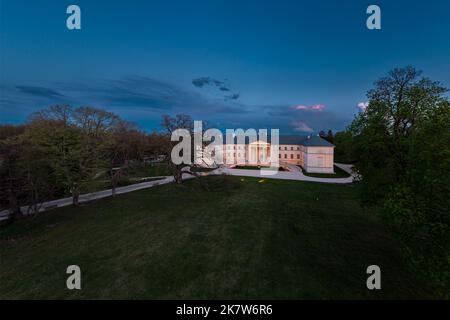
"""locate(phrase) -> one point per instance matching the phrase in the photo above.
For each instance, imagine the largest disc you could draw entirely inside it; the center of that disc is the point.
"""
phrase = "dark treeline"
(62, 149)
(400, 146)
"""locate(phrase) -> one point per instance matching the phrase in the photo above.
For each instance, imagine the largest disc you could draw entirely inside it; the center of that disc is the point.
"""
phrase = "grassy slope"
(242, 239)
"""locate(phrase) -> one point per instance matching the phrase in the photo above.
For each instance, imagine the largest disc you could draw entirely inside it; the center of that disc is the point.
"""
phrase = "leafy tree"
(12, 178)
(71, 161)
(330, 137)
(344, 151)
(171, 124)
(402, 142)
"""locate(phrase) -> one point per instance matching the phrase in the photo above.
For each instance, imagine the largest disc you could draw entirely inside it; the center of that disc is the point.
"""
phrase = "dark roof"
(316, 141)
(309, 141)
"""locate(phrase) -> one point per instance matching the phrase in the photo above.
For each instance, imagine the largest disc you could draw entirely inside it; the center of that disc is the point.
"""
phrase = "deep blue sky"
(139, 58)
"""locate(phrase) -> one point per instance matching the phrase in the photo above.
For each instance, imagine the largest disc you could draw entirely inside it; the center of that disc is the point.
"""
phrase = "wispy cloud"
(301, 126)
(39, 91)
(317, 107)
(204, 81)
(215, 88)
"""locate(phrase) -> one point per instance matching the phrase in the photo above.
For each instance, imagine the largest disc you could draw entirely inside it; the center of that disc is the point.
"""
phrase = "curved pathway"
(284, 175)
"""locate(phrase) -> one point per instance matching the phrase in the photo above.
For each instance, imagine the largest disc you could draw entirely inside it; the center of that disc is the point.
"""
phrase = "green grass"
(338, 173)
(157, 169)
(241, 238)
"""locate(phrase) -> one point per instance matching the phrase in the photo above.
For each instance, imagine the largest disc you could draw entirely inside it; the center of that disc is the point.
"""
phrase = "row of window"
(279, 155)
(234, 154)
(292, 156)
(242, 147)
(292, 148)
(234, 147)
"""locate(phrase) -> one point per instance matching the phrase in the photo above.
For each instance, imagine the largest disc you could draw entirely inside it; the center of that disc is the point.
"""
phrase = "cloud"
(301, 107)
(215, 88)
(362, 105)
(203, 81)
(301, 126)
(305, 118)
(39, 91)
(316, 107)
(232, 97)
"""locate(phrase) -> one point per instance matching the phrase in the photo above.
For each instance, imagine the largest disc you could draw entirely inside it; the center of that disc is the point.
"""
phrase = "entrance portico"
(259, 153)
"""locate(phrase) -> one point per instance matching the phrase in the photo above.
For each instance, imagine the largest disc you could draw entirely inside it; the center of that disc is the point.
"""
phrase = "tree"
(330, 137)
(12, 178)
(77, 140)
(344, 151)
(25, 172)
(61, 150)
(62, 144)
(185, 122)
(403, 145)
(60, 113)
(171, 124)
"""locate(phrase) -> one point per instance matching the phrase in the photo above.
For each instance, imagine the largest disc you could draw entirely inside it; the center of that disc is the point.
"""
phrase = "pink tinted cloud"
(301, 126)
(316, 107)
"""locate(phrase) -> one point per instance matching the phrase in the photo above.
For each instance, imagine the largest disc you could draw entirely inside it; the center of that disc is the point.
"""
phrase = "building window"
(279, 155)
(292, 156)
(298, 148)
(292, 148)
(298, 156)
(285, 156)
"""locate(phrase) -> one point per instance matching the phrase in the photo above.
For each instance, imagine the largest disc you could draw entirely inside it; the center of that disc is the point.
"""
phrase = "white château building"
(312, 153)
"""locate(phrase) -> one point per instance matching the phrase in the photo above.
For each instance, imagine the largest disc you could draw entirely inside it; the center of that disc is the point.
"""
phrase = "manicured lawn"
(338, 173)
(239, 238)
(156, 169)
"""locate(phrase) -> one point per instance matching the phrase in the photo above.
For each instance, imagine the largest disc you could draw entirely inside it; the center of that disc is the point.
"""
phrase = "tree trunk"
(75, 195)
(114, 177)
(178, 177)
(75, 198)
(14, 207)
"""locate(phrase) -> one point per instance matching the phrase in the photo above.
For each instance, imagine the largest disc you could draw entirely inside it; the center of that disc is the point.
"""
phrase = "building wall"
(319, 159)
(291, 154)
(235, 153)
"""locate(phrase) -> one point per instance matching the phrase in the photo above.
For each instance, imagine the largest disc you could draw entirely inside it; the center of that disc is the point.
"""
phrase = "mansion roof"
(307, 141)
